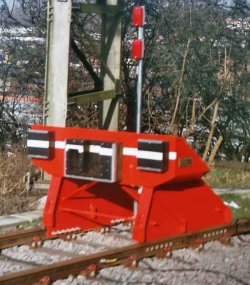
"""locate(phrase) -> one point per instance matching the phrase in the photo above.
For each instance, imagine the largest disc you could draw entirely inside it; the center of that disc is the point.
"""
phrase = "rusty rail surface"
(126, 255)
(21, 237)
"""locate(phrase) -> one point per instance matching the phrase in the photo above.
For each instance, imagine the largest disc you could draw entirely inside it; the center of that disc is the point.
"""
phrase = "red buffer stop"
(97, 175)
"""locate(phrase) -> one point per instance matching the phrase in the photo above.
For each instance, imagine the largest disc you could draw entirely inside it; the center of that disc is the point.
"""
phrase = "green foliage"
(194, 58)
(242, 201)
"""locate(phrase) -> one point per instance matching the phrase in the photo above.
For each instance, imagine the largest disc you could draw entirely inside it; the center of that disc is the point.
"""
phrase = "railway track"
(88, 252)
(21, 237)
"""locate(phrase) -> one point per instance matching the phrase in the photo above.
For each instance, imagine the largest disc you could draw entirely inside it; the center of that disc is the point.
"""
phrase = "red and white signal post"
(138, 53)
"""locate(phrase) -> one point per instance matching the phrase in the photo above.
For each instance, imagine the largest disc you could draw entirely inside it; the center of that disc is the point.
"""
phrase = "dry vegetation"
(13, 196)
(229, 175)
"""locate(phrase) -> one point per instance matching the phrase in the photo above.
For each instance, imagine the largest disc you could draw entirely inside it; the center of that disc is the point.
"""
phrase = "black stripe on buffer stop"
(157, 160)
(39, 144)
(82, 163)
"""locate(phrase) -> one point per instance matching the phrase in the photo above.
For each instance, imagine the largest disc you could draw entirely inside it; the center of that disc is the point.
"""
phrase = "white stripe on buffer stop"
(129, 151)
(92, 149)
(60, 144)
(153, 155)
(38, 143)
(101, 150)
(172, 155)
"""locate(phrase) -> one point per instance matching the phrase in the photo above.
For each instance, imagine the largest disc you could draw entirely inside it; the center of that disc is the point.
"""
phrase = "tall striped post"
(137, 54)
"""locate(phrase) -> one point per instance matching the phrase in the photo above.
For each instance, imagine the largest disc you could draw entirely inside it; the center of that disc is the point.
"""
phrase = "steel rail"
(21, 237)
(126, 255)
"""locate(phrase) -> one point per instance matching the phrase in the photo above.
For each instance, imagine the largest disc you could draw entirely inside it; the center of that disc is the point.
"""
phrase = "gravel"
(107, 240)
(217, 264)
(30, 256)
(67, 246)
(89, 243)
(8, 267)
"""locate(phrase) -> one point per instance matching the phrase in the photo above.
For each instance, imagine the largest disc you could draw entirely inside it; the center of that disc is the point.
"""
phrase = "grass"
(229, 175)
(23, 226)
(232, 175)
(33, 224)
(243, 202)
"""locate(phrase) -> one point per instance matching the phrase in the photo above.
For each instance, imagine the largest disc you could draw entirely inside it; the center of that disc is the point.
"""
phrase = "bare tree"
(21, 69)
